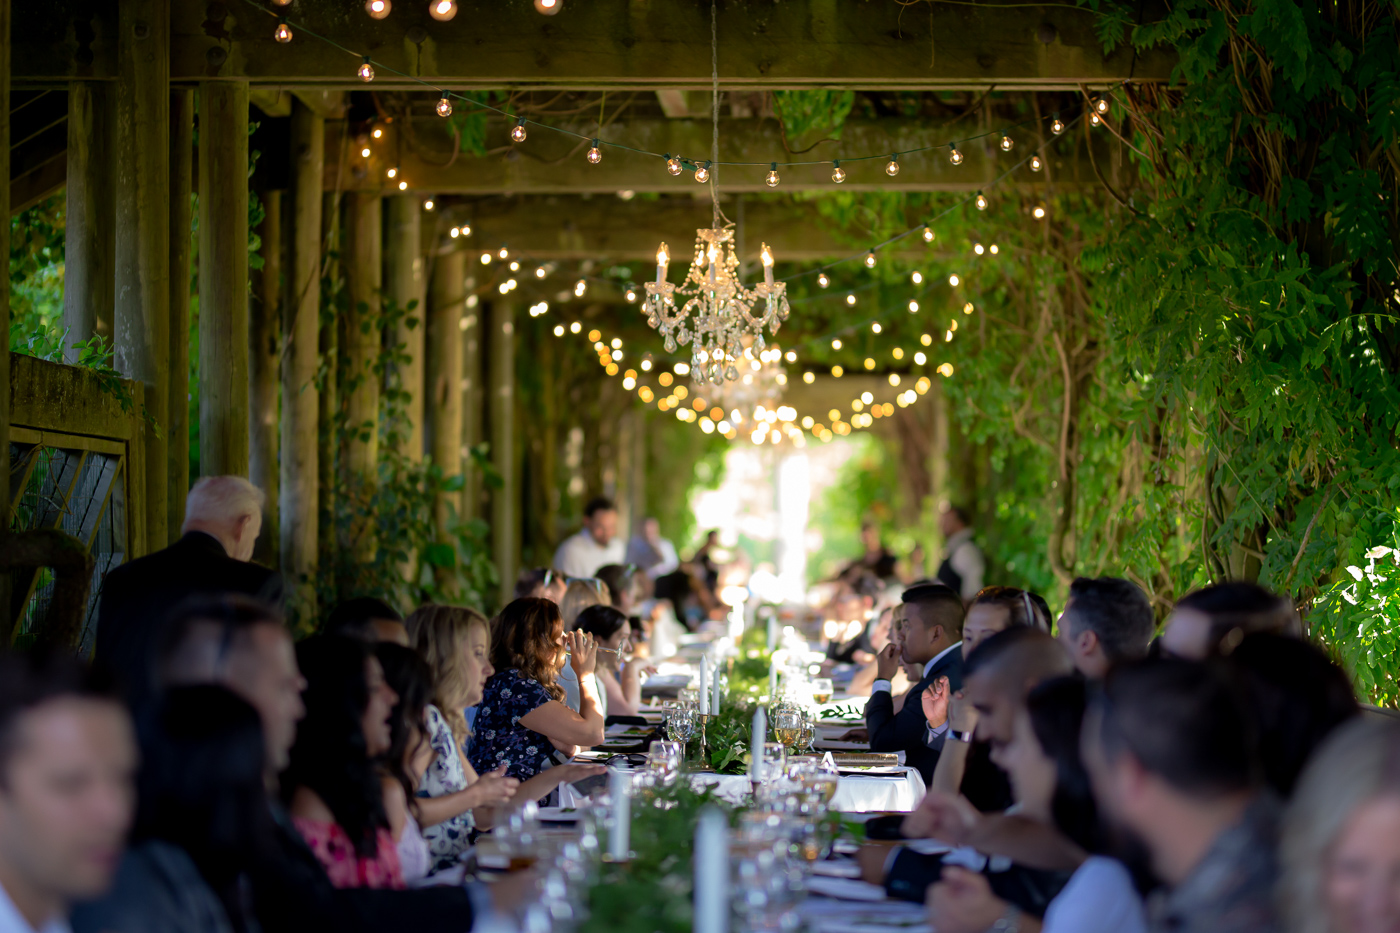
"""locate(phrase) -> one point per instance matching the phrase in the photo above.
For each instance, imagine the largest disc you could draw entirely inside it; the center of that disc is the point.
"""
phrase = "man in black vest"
(928, 632)
(223, 515)
(963, 564)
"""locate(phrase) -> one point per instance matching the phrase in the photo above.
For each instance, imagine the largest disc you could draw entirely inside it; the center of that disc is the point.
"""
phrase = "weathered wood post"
(141, 319)
(264, 352)
(505, 501)
(223, 278)
(403, 285)
(364, 271)
(327, 437)
(181, 180)
(473, 401)
(89, 274)
(301, 321)
(445, 309)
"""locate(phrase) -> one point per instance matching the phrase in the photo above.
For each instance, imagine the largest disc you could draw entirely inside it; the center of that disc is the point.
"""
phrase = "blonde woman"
(1340, 849)
(578, 596)
(452, 797)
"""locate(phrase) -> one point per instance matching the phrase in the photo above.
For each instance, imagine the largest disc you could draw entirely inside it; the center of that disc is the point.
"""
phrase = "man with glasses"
(595, 545)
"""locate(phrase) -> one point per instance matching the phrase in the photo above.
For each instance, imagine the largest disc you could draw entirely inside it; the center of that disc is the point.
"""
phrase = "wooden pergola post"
(141, 319)
(505, 501)
(181, 182)
(445, 308)
(89, 274)
(473, 402)
(301, 322)
(223, 278)
(364, 269)
(264, 351)
(403, 285)
(329, 342)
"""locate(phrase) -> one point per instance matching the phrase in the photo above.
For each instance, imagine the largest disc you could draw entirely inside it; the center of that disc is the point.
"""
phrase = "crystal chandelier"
(719, 312)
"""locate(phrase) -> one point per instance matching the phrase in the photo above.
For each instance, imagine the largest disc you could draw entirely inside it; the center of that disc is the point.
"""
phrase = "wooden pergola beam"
(555, 228)
(606, 44)
(553, 163)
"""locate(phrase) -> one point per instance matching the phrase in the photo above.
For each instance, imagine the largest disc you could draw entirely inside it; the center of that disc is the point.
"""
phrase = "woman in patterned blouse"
(522, 723)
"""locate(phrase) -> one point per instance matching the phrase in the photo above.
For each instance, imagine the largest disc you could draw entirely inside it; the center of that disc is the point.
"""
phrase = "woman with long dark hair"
(618, 669)
(1053, 792)
(522, 720)
(333, 784)
(203, 826)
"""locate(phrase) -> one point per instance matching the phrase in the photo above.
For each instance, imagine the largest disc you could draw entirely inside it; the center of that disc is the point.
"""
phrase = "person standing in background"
(963, 564)
(595, 545)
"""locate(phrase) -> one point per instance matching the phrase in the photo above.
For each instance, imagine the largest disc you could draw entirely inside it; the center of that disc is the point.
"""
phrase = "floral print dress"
(500, 738)
(445, 775)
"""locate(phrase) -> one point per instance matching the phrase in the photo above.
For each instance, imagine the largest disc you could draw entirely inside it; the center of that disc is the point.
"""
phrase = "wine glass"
(787, 726)
(822, 690)
(664, 760)
(689, 697)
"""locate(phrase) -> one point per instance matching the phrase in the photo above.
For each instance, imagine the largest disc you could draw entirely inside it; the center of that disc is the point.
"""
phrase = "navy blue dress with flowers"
(500, 739)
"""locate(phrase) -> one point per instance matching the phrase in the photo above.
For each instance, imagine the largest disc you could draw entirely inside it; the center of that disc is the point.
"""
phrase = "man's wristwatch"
(957, 736)
(1008, 922)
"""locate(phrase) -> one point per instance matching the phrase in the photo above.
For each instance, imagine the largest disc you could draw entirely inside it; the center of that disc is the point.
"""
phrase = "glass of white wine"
(822, 690)
(787, 726)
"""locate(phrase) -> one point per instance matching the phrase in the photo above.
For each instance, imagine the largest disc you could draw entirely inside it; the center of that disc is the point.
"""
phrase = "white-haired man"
(223, 515)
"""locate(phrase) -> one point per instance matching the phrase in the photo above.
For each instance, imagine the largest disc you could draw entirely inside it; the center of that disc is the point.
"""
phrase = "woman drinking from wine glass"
(523, 723)
(617, 668)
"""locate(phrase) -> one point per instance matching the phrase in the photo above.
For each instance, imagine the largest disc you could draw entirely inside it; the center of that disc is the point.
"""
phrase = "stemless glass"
(664, 760)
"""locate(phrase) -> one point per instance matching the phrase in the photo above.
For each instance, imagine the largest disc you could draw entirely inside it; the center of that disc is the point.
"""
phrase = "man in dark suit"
(928, 633)
(223, 515)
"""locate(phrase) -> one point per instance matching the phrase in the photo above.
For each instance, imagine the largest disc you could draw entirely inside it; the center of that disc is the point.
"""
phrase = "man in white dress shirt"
(963, 564)
(596, 544)
(67, 791)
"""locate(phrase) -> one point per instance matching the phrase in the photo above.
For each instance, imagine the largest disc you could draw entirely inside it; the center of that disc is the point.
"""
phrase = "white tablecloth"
(865, 793)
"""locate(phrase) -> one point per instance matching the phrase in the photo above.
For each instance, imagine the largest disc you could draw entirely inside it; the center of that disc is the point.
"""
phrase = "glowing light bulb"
(928, 235)
(466, 229)
(981, 201)
(1101, 105)
(836, 344)
(455, 232)
(377, 132)
(486, 259)
(366, 71)
(702, 173)
(365, 153)
(992, 249)
(283, 33)
(392, 173)
(837, 371)
(954, 155)
(1038, 213)
(1036, 164)
(514, 266)
(378, 9)
(917, 277)
(442, 10)
(540, 273)
(631, 296)
(870, 260)
(977, 248)
(548, 7)
(851, 300)
(953, 280)
(428, 205)
(875, 328)
(517, 132)
(1057, 126)
(403, 186)
(558, 330)
(595, 155)
(913, 307)
(822, 280)
(673, 165)
(1006, 144)
(766, 256)
(892, 166)
(968, 309)
(281, 2)
(771, 179)
(444, 106)
(838, 174)
(504, 253)
(1094, 119)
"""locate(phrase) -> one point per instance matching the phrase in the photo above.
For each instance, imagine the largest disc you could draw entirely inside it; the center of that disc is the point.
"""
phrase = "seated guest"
(929, 621)
(542, 582)
(1171, 753)
(578, 596)
(652, 554)
(67, 768)
(595, 545)
(203, 827)
(369, 619)
(619, 671)
(1340, 845)
(522, 720)
(882, 633)
(1106, 620)
(332, 784)
(240, 644)
(995, 609)
(876, 559)
(623, 587)
(1057, 821)
(1297, 695)
(223, 515)
(848, 630)
(1221, 615)
(408, 676)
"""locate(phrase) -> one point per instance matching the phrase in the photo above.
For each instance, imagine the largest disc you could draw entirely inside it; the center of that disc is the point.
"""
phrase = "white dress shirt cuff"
(881, 686)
